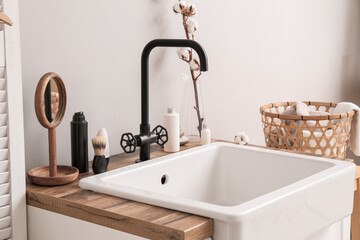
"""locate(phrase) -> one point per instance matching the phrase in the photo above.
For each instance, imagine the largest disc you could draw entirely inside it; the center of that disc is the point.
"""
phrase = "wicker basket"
(326, 135)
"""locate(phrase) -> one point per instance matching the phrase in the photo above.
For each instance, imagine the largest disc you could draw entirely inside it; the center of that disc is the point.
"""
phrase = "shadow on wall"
(350, 87)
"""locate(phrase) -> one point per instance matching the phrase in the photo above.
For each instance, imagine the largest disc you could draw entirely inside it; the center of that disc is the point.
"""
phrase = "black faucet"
(159, 134)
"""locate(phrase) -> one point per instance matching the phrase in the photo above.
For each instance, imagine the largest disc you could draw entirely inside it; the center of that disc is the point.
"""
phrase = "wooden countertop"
(125, 215)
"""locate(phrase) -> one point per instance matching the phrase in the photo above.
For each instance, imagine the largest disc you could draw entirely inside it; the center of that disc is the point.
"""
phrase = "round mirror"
(50, 100)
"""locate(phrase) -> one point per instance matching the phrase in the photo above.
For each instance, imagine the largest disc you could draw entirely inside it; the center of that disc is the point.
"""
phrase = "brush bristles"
(99, 144)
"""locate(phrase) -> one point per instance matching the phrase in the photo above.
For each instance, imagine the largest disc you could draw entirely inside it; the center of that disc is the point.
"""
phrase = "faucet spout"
(145, 67)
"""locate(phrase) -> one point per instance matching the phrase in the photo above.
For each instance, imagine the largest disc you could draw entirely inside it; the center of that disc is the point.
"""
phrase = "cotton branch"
(187, 10)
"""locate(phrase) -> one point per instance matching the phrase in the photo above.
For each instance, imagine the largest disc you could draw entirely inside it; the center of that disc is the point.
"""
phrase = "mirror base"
(41, 175)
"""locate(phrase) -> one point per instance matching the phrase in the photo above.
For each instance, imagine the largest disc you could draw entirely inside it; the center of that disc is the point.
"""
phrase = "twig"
(186, 12)
(198, 76)
(194, 78)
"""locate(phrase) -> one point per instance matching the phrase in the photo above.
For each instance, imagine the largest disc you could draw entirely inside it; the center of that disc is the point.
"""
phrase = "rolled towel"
(319, 113)
(290, 110)
(323, 123)
(298, 108)
(302, 109)
(345, 107)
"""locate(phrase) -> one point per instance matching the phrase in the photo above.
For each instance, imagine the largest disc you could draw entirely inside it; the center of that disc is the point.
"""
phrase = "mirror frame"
(40, 100)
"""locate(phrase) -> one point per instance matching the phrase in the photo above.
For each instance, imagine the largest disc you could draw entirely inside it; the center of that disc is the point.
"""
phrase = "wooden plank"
(105, 218)
(125, 215)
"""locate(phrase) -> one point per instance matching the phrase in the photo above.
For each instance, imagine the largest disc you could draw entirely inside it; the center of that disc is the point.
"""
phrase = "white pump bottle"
(172, 125)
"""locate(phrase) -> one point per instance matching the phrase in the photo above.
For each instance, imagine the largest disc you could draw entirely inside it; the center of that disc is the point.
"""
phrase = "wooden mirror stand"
(50, 105)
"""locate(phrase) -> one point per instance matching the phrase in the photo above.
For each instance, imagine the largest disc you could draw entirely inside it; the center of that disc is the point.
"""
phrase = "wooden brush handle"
(52, 152)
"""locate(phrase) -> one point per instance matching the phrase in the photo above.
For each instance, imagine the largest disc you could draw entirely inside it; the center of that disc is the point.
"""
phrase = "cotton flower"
(194, 64)
(192, 25)
(241, 138)
(183, 53)
(190, 10)
(180, 7)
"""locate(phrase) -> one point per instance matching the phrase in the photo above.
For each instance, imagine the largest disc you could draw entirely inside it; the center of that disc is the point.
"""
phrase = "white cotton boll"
(183, 7)
(190, 10)
(176, 8)
(180, 7)
(183, 53)
(192, 25)
(241, 138)
(194, 64)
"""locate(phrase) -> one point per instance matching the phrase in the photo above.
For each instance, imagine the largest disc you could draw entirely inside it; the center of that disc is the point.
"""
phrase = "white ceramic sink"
(251, 193)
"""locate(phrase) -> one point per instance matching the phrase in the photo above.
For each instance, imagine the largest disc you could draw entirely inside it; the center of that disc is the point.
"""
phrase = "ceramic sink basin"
(251, 193)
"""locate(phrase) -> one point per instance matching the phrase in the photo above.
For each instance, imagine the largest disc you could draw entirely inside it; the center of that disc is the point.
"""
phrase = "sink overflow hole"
(164, 179)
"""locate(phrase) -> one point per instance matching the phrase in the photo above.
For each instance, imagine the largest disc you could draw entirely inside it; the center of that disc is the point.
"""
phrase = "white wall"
(259, 52)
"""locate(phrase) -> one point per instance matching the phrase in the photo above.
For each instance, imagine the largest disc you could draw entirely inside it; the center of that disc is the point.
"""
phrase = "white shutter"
(12, 157)
(5, 195)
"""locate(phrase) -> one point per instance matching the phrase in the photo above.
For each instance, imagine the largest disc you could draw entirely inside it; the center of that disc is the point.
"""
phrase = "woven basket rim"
(298, 117)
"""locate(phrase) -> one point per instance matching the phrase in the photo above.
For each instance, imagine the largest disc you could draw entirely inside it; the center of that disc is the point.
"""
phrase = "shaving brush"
(99, 164)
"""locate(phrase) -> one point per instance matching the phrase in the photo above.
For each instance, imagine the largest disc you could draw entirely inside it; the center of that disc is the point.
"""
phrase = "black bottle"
(79, 142)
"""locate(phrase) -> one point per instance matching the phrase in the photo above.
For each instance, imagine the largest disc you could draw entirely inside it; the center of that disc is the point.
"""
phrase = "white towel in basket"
(302, 109)
(345, 107)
